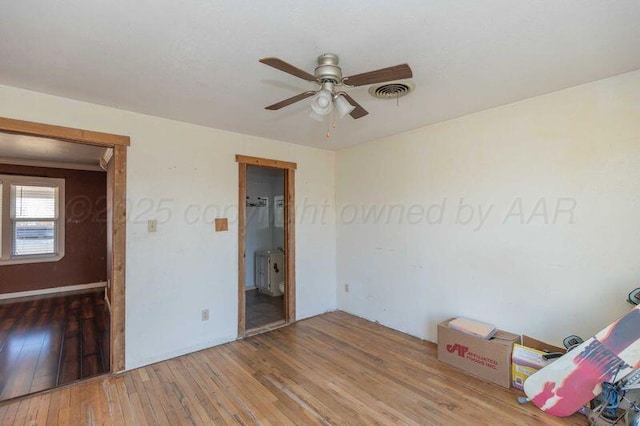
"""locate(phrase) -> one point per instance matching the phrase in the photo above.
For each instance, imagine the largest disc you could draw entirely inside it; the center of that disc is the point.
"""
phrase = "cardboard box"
(528, 357)
(487, 359)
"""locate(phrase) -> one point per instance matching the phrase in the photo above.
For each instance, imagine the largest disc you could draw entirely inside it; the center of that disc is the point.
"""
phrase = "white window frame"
(6, 249)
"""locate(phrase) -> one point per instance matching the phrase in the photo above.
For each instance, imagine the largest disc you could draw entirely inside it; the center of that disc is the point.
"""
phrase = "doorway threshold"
(264, 328)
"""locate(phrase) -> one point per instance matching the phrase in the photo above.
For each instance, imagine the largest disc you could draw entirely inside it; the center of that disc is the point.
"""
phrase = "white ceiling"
(197, 60)
(35, 151)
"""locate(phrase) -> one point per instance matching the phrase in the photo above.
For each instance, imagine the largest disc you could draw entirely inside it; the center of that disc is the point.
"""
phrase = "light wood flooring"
(50, 341)
(330, 369)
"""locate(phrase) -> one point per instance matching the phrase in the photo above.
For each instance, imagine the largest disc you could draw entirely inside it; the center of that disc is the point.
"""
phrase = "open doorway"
(265, 260)
(62, 227)
(54, 317)
(266, 254)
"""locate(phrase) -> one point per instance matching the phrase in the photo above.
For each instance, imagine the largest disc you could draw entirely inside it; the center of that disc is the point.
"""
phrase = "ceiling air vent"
(391, 90)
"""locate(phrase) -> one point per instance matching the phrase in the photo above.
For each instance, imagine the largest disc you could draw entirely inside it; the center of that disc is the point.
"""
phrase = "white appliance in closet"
(269, 271)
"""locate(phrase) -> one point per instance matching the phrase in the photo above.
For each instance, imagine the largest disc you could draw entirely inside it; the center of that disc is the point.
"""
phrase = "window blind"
(33, 202)
(31, 206)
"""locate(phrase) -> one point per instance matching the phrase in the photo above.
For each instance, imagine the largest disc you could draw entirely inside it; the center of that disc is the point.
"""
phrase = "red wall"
(85, 258)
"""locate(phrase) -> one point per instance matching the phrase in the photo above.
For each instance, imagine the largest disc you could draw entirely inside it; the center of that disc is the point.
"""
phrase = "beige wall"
(524, 215)
(184, 176)
(565, 165)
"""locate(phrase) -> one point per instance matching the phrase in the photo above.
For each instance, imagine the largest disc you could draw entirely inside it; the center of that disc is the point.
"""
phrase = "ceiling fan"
(329, 76)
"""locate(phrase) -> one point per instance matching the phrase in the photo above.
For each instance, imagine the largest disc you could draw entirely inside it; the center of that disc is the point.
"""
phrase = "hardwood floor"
(330, 369)
(46, 342)
(262, 309)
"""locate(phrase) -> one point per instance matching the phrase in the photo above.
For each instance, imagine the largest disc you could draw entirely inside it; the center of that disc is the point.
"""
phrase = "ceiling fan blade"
(397, 72)
(290, 101)
(359, 112)
(281, 65)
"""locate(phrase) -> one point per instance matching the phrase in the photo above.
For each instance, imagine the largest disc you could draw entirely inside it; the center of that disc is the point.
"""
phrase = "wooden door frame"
(289, 237)
(116, 187)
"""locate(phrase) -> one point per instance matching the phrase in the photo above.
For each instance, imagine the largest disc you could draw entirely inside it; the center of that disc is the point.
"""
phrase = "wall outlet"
(205, 315)
(346, 288)
(152, 225)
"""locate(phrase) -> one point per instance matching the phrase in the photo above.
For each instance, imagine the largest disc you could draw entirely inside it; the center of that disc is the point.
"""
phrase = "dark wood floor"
(334, 369)
(51, 341)
(262, 309)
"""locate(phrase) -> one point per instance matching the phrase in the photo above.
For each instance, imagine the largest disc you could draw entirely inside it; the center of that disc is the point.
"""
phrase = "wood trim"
(116, 190)
(117, 290)
(264, 328)
(265, 162)
(63, 133)
(107, 301)
(110, 181)
(290, 236)
(242, 246)
(290, 246)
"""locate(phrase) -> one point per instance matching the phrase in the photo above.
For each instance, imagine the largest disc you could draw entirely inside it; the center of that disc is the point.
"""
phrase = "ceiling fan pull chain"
(328, 131)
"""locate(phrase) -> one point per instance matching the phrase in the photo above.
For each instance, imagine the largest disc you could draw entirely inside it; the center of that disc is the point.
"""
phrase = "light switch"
(152, 225)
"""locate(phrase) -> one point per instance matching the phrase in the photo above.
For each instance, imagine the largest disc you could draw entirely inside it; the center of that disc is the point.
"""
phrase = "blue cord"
(610, 400)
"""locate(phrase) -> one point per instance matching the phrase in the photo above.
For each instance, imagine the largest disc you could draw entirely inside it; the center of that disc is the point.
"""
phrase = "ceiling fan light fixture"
(322, 102)
(342, 105)
(328, 75)
(316, 116)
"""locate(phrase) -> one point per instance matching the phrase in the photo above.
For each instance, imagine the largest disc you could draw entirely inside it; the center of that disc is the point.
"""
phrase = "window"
(32, 219)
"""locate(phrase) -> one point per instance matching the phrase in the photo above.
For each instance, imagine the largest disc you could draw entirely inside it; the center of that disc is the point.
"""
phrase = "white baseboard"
(251, 287)
(54, 290)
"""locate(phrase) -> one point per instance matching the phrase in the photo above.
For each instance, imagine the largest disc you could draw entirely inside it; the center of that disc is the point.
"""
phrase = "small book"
(475, 328)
